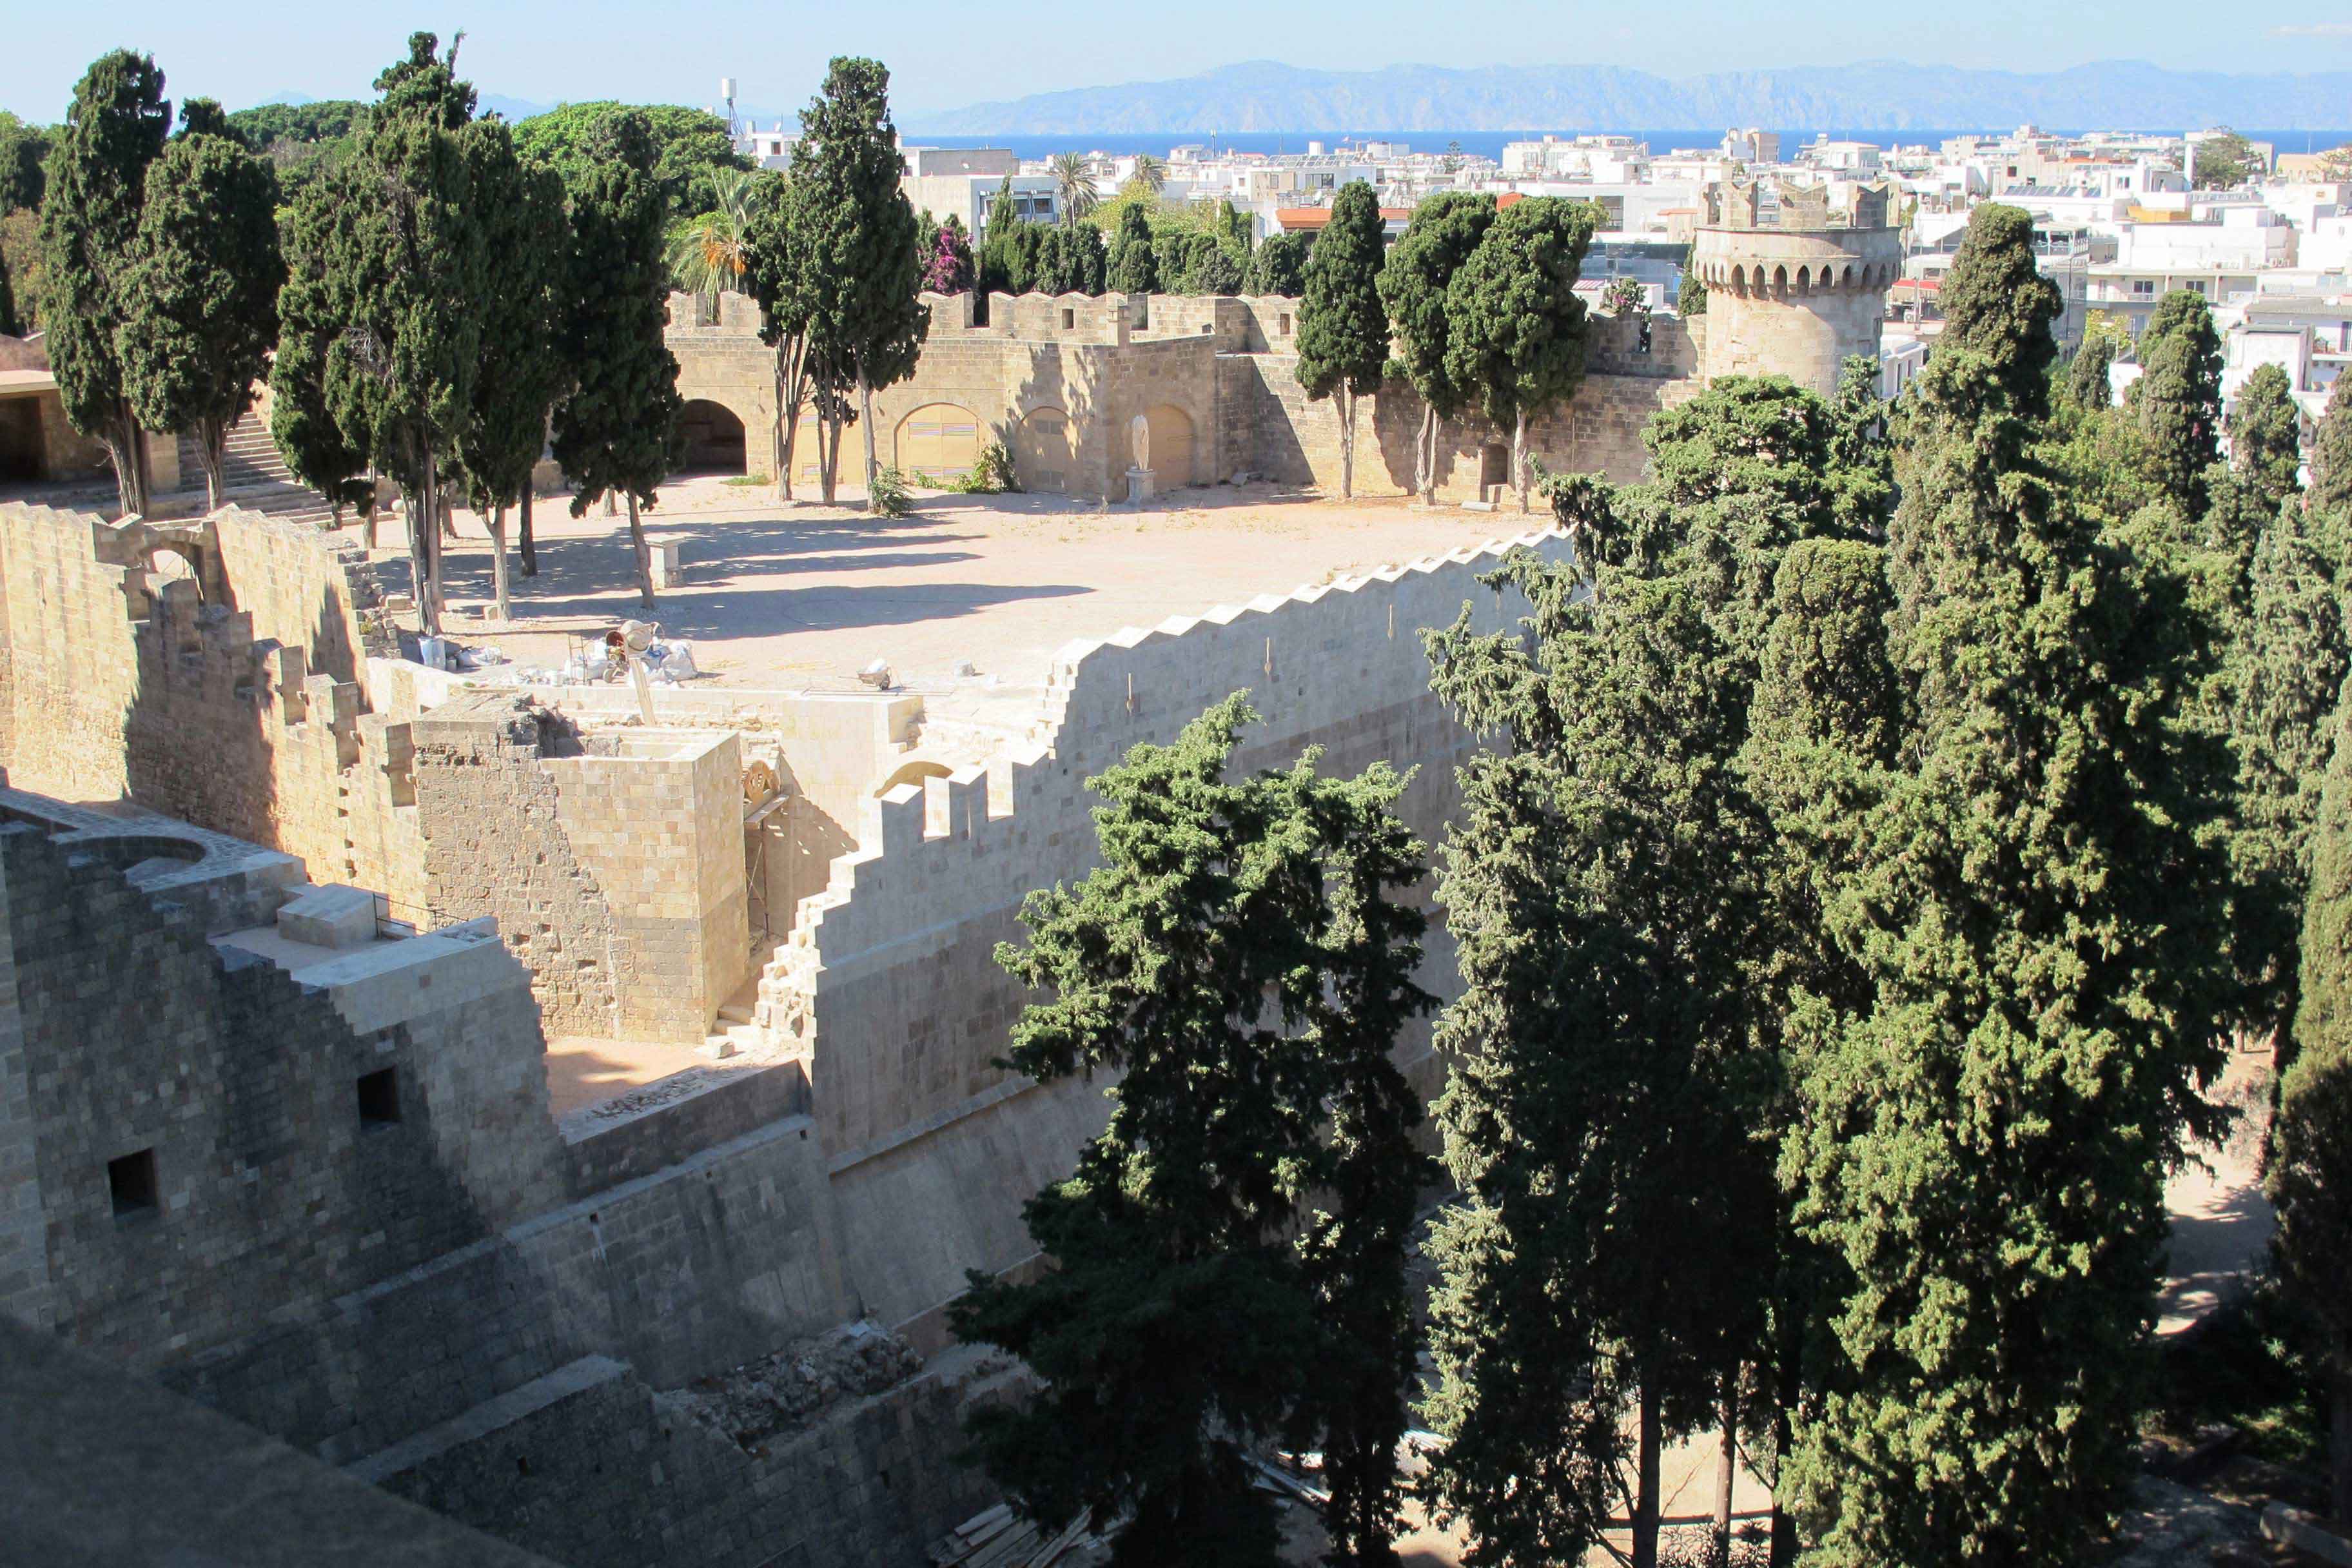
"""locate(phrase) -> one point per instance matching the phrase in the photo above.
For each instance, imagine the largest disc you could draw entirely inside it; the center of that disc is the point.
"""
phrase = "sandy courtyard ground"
(805, 597)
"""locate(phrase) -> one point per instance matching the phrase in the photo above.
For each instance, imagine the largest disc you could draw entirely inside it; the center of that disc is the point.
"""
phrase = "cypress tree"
(2291, 663)
(861, 233)
(1518, 330)
(2180, 396)
(1998, 305)
(617, 430)
(1343, 330)
(97, 177)
(779, 278)
(1134, 269)
(1598, 884)
(2036, 907)
(522, 374)
(1238, 958)
(319, 452)
(9, 325)
(204, 290)
(1445, 229)
(1278, 265)
(2266, 435)
(2310, 1169)
(2087, 376)
(2331, 459)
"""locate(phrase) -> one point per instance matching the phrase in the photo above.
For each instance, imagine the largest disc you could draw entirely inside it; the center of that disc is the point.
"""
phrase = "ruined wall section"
(175, 666)
(272, 1187)
(891, 983)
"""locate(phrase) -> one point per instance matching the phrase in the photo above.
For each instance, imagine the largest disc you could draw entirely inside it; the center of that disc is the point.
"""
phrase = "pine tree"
(1445, 229)
(1343, 330)
(1238, 960)
(2310, 1174)
(1518, 330)
(617, 428)
(203, 290)
(2180, 396)
(861, 233)
(97, 175)
(1134, 268)
(2037, 907)
(1997, 304)
(522, 374)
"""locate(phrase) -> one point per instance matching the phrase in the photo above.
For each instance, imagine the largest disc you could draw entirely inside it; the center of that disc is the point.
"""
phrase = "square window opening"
(131, 1183)
(379, 1095)
(1069, 320)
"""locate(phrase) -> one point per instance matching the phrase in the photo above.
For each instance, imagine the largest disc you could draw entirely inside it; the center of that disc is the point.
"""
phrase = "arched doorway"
(938, 441)
(712, 438)
(1041, 452)
(1171, 445)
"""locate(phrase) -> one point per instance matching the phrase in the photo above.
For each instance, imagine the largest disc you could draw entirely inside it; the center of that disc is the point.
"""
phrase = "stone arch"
(1045, 450)
(938, 441)
(1173, 461)
(913, 772)
(1848, 280)
(1804, 279)
(712, 437)
(1780, 279)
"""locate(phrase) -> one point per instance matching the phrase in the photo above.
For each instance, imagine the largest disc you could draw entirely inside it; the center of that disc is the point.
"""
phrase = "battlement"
(1738, 205)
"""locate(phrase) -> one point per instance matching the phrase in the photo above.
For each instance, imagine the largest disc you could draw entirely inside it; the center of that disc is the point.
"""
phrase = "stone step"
(565, 1382)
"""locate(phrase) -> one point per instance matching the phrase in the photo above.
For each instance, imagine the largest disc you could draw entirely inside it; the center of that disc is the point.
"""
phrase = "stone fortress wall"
(505, 1316)
(472, 1303)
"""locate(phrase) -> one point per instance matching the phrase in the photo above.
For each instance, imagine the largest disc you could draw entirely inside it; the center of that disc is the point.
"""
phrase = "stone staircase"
(254, 476)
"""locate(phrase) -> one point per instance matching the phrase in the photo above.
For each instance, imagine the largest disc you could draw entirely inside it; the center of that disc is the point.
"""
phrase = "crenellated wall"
(889, 982)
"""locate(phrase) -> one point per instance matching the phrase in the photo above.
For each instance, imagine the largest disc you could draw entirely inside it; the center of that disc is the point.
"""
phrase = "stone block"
(333, 916)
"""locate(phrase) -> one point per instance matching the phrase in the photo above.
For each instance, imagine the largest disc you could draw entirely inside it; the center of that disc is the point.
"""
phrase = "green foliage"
(688, 146)
(2179, 397)
(1624, 297)
(522, 372)
(1343, 327)
(2224, 163)
(1690, 298)
(1343, 331)
(2288, 671)
(707, 253)
(281, 128)
(887, 495)
(2331, 462)
(1443, 233)
(1997, 304)
(1075, 196)
(991, 474)
(1239, 959)
(1278, 264)
(2087, 375)
(1517, 332)
(2310, 1175)
(2266, 433)
(23, 150)
(617, 430)
(860, 232)
(89, 245)
(2035, 905)
(948, 265)
(20, 260)
(204, 290)
(1134, 269)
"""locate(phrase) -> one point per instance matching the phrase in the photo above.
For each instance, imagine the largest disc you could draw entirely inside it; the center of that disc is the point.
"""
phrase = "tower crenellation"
(1794, 288)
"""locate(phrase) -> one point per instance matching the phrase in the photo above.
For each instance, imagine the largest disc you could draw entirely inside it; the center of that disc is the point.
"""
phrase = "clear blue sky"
(947, 55)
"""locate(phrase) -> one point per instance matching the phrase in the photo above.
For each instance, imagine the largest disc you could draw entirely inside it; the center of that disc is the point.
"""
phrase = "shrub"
(991, 475)
(889, 495)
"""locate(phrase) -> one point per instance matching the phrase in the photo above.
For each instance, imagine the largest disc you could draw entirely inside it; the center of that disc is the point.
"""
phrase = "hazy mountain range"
(1889, 95)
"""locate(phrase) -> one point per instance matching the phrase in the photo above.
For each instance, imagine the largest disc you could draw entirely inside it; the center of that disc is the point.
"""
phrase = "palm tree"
(1150, 173)
(707, 253)
(1074, 187)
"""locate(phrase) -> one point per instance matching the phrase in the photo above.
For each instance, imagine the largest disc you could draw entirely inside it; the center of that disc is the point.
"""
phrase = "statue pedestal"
(1139, 486)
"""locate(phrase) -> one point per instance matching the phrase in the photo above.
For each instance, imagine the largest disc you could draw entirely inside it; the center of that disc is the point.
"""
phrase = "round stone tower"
(1794, 296)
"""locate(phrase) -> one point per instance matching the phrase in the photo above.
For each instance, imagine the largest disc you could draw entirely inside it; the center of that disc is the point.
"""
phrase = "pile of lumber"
(996, 1539)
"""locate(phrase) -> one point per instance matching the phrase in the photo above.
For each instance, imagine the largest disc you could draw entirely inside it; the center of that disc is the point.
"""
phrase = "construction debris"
(997, 1538)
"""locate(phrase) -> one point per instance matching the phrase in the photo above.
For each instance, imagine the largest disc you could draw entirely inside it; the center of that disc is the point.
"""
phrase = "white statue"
(1138, 441)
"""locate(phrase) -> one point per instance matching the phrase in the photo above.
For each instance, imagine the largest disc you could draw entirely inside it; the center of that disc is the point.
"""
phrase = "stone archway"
(1173, 460)
(938, 441)
(712, 435)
